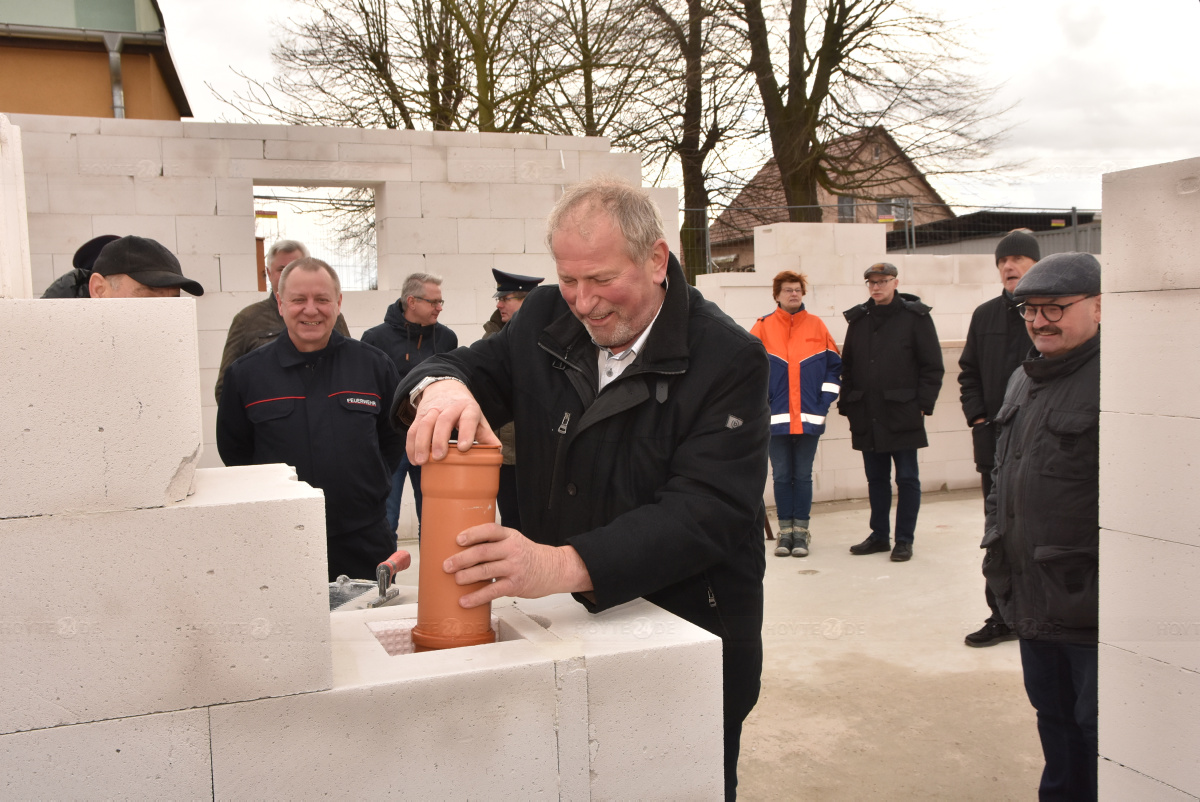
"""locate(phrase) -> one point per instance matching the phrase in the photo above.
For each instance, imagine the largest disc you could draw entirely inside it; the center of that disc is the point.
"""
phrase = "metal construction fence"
(913, 228)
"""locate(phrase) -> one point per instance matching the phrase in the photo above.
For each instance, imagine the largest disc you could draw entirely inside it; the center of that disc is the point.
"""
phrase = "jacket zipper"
(559, 457)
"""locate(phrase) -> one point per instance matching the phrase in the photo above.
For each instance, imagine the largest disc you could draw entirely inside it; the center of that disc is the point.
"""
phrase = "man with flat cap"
(511, 290)
(1042, 530)
(74, 283)
(136, 267)
(891, 376)
(996, 344)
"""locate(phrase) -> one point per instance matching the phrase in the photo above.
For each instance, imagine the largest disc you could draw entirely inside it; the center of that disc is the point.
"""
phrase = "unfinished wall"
(1150, 435)
(452, 203)
(834, 256)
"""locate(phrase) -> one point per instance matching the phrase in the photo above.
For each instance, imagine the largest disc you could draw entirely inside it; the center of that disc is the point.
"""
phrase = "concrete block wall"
(453, 203)
(14, 231)
(1150, 428)
(833, 256)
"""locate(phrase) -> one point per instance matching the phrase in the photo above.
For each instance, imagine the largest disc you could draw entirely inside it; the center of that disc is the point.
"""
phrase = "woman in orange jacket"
(805, 380)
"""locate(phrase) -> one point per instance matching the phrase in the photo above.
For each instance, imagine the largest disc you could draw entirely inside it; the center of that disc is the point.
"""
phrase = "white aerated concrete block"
(1149, 711)
(397, 199)
(1152, 221)
(219, 598)
(456, 200)
(427, 235)
(102, 400)
(622, 165)
(213, 234)
(1134, 378)
(300, 151)
(160, 228)
(1119, 783)
(235, 196)
(521, 200)
(126, 126)
(1141, 609)
(480, 165)
(120, 155)
(175, 196)
(851, 238)
(556, 166)
(357, 152)
(91, 194)
(164, 756)
(1147, 465)
(491, 236)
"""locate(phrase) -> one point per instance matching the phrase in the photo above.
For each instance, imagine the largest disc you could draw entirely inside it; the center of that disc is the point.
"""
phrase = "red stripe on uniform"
(281, 398)
(354, 392)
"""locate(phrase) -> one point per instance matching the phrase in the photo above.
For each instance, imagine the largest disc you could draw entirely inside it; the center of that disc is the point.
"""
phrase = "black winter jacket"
(657, 481)
(72, 284)
(891, 373)
(321, 413)
(1043, 520)
(997, 342)
(408, 344)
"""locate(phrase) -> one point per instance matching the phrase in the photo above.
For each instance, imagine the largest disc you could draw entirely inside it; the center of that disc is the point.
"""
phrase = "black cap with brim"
(85, 257)
(146, 261)
(512, 282)
(1060, 275)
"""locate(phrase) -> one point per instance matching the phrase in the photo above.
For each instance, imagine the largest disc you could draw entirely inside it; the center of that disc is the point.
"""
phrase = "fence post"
(1075, 229)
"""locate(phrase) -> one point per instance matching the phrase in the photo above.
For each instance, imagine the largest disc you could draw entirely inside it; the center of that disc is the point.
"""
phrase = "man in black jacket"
(409, 334)
(642, 422)
(891, 375)
(1043, 515)
(315, 400)
(996, 344)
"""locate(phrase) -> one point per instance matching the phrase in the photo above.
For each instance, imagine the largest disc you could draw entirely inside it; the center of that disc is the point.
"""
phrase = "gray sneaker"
(799, 542)
(784, 547)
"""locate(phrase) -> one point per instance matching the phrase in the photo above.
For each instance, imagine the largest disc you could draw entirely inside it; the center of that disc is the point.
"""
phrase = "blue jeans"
(878, 467)
(393, 500)
(1060, 679)
(791, 466)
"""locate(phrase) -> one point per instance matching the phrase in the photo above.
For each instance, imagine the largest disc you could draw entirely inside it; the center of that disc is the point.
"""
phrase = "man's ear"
(1098, 308)
(660, 257)
(98, 286)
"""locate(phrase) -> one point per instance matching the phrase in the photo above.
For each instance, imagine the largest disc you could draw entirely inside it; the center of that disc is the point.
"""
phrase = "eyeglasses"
(1051, 312)
(435, 304)
(881, 282)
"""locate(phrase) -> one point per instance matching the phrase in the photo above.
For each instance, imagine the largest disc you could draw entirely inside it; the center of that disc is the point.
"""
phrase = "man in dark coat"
(996, 344)
(410, 333)
(511, 289)
(74, 283)
(892, 373)
(642, 423)
(260, 322)
(315, 400)
(1043, 515)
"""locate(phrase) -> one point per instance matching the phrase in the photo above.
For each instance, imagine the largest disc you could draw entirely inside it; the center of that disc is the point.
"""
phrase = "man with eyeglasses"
(891, 376)
(1042, 532)
(410, 333)
(996, 344)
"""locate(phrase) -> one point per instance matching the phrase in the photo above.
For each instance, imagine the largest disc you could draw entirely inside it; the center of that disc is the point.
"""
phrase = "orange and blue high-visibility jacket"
(806, 370)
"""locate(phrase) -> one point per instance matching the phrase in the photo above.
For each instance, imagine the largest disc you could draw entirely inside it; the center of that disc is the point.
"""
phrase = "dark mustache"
(1047, 330)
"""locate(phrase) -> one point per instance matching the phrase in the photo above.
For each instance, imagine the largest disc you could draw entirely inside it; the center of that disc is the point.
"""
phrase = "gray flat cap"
(881, 269)
(1059, 275)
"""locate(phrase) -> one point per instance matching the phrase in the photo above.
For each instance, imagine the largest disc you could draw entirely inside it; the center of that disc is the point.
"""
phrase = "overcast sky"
(1100, 85)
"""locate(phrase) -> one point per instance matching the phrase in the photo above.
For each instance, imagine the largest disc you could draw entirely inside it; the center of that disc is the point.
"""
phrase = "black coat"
(408, 344)
(321, 413)
(1042, 532)
(891, 373)
(997, 342)
(657, 481)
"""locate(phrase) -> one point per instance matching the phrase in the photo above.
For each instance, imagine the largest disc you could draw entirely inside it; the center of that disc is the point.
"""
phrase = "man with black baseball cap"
(1042, 531)
(996, 344)
(511, 289)
(136, 267)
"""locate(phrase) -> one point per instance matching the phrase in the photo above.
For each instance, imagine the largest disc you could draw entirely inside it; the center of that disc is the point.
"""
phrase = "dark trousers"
(413, 472)
(358, 553)
(878, 467)
(985, 480)
(506, 498)
(741, 664)
(1060, 679)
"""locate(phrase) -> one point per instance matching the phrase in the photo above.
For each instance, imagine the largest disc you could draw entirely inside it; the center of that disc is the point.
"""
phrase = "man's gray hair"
(310, 265)
(285, 246)
(630, 208)
(415, 284)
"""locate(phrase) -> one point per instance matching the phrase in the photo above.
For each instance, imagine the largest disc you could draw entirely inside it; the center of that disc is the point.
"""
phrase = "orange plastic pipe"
(459, 492)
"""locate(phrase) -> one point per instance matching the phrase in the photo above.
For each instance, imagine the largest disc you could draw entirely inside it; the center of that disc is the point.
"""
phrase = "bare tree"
(828, 70)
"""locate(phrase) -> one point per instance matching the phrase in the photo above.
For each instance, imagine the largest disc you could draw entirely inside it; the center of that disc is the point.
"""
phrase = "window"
(893, 209)
(845, 209)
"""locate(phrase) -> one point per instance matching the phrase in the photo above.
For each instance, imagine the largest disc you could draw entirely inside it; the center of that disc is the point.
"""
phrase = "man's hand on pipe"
(441, 408)
(518, 566)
